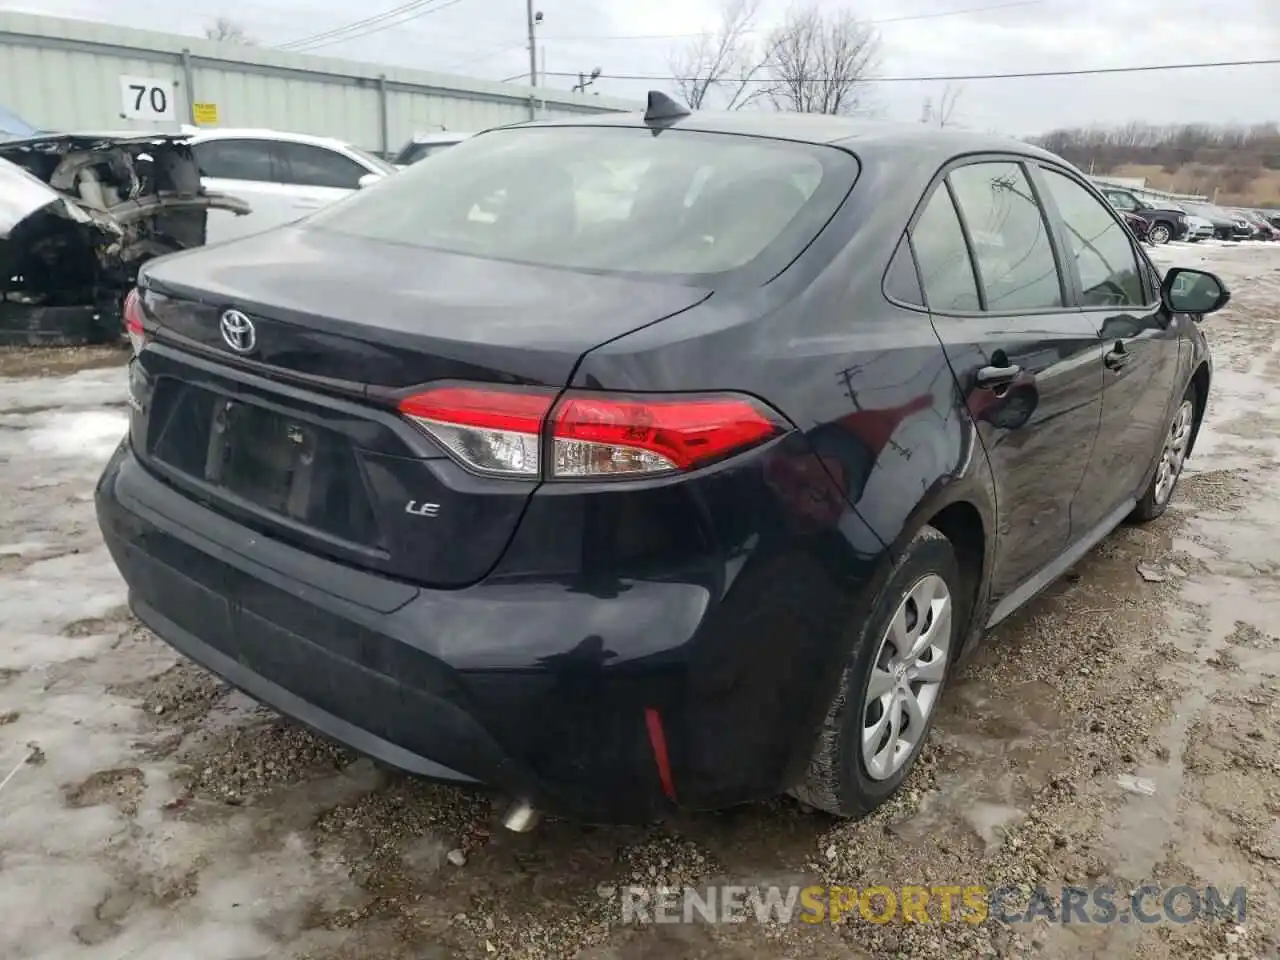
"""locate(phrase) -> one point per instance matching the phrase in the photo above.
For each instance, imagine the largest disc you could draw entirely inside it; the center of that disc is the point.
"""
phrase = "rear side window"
(1009, 236)
(236, 160)
(683, 204)
(945, 268)
(902, 283)
(1103, 252)
(311, 166)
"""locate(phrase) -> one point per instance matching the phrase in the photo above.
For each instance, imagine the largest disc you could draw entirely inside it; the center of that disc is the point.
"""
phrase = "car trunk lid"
(300, 437)
(386, 315)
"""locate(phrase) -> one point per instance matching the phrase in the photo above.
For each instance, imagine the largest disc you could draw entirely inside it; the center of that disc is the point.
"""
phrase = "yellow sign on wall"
(205, 114)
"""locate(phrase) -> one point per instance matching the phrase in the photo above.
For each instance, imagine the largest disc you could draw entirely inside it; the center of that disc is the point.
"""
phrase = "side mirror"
(1193, 291)
(368, 180)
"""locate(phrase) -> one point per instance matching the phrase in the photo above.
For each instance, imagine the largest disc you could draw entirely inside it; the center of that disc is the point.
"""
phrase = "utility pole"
(533, 50)
(533, 19)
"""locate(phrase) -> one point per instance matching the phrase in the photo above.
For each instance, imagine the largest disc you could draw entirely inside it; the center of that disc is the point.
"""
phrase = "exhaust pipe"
(521, 817)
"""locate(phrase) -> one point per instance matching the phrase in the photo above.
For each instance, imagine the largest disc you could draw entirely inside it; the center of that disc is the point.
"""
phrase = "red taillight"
(133, 321)
(601, 435)
(489, 429)
(500, 431)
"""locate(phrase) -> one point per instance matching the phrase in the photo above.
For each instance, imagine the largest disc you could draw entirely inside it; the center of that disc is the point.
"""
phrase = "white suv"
(282, 176)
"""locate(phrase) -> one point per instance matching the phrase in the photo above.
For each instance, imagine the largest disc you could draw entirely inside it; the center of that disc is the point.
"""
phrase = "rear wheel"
(1160, 233)
(1169, 462)
(891, 685)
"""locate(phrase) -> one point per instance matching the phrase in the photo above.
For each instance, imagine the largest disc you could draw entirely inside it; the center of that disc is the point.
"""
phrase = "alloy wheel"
(906, 677)
(1159, 233)
(1174, 454)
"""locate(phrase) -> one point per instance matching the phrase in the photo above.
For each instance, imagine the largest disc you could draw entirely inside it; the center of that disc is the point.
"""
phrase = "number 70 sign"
(146, 98)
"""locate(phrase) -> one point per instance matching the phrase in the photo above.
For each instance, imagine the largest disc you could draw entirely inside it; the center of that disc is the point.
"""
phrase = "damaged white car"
(79, 214)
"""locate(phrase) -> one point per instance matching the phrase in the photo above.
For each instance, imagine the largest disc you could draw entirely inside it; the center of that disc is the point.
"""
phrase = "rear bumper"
(545, 691)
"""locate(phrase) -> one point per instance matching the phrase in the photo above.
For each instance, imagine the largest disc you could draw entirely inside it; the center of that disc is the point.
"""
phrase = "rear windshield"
(413, 152)
(680, 204)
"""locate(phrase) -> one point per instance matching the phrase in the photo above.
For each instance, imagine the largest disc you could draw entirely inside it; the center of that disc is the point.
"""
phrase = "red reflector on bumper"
(658, 741)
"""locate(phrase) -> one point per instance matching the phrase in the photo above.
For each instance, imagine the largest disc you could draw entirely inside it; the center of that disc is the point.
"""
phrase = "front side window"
(684, 204)
(1010, 239)
(1103, 252)
(310, 166)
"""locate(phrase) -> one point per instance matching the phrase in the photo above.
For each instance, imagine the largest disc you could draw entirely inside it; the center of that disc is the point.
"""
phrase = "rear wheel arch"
(961, 523)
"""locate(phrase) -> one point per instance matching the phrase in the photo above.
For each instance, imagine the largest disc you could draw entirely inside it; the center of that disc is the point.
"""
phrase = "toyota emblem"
(238, 332)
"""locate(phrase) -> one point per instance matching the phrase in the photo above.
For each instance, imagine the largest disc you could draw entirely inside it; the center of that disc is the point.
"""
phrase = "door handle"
(998, 376)
(1117, 358)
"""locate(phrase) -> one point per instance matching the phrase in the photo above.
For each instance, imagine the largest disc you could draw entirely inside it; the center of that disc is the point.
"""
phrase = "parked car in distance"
(1224, 227)
(1167, 222)
(423, 145)
(675, 504)
(79, 215)
(1262, 229)
(1242, 228)
(1198, 227)
(1140, 226)
(282, 176)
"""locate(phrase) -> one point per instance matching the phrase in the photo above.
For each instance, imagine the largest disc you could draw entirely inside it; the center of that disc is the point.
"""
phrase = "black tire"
(1155, 500)
(837, 780)
(1160, 233)
(22, 325)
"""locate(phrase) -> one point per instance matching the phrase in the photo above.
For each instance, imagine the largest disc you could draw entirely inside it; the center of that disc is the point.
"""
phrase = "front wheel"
(891, 685)
(1160, 233)
(1171, 458)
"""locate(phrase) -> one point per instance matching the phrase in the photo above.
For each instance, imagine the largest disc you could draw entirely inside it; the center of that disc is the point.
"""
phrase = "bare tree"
(725, 60)
(227, 30)
(820, 63)
(941, 114)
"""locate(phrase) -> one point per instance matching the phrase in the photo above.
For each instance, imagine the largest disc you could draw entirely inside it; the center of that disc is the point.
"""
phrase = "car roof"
(857, 134)
(229, 133)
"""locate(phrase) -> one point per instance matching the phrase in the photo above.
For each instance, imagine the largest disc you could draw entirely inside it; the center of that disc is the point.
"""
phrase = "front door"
(1140, 348)
(1028, 363)
(316, 176)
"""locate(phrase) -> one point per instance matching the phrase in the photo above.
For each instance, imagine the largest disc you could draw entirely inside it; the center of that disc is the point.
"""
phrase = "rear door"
(1141, 344)
(244, 167)
(1027, 361)
(317, 175)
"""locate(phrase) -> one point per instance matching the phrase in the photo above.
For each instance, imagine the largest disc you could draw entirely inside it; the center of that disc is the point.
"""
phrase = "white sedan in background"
(282, 176)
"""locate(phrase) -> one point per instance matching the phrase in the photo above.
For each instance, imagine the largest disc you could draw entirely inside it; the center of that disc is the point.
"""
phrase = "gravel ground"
(1123, 729)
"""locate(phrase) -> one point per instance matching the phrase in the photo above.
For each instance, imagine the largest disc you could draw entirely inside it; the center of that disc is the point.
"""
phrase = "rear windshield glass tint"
(609, 199)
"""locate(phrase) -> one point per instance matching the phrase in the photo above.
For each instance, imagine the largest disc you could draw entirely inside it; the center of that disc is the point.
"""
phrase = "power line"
(953, 78)
(406, 12)
(354, 25)
(871, 23)
(394, 17)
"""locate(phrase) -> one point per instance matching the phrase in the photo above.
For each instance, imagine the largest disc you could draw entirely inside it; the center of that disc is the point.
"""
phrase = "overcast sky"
(485, 38)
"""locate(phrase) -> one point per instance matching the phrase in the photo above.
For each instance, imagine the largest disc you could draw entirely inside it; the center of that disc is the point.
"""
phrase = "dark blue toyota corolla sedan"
(644, 462)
